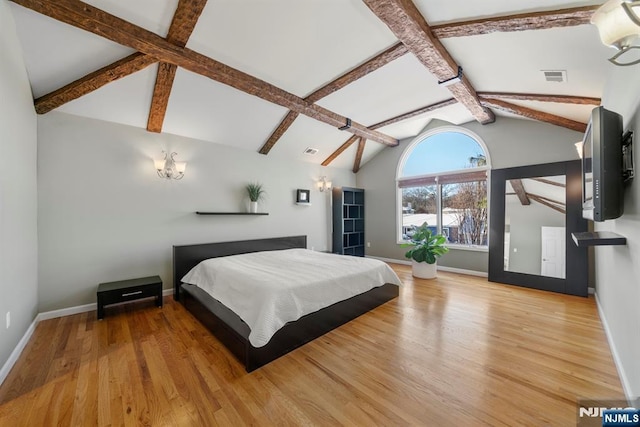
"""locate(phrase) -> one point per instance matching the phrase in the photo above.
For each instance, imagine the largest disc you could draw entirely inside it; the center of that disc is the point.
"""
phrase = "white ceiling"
(300, 45)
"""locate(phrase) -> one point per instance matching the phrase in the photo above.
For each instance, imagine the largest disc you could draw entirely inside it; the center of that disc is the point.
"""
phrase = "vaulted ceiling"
(348, 77)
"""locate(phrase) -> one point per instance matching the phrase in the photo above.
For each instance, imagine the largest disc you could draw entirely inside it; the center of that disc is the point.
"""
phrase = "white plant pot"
(422, 270)
(253, 207)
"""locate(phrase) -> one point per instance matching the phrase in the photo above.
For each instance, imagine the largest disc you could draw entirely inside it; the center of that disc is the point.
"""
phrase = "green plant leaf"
(426, 246)
(256, 191)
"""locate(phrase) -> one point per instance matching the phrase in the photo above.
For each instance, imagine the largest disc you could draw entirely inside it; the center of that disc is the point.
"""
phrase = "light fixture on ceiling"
(323, 184)
(618, 23)
(579, 148)
(168, 168)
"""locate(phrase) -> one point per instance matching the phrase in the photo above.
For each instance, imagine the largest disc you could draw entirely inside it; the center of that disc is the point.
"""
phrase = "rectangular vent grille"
(311, 151)
(557, 76)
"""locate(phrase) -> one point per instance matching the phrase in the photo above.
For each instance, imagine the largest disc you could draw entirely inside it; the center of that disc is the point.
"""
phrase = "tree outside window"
(452, 202)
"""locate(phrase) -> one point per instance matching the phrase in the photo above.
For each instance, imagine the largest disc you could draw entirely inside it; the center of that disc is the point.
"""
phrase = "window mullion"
(438, 207)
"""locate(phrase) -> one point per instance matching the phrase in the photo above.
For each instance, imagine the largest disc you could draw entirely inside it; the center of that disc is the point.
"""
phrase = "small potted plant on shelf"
(426, 248)
(256, 193)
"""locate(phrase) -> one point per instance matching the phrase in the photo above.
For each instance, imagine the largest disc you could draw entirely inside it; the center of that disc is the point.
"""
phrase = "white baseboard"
(79, 309)
(616, 358)
(440, 267)
(65, 312)
(15, 354)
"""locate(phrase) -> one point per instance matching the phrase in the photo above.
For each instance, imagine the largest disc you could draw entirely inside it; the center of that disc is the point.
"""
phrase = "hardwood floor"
(452, 351)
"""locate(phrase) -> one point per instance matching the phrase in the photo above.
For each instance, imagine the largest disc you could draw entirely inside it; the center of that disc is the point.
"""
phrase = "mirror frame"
(577, 273)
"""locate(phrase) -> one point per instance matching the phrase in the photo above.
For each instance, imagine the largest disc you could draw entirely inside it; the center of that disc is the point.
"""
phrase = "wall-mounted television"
(602, 166)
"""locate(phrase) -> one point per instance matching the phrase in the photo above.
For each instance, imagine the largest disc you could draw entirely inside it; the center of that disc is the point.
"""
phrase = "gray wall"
(526, 223)
(18, 191)
(105, 215)
(510, 142)
(618, 267)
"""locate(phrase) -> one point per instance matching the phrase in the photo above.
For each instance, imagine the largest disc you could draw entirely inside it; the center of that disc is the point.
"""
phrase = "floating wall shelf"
(231, 213)
(598, 238)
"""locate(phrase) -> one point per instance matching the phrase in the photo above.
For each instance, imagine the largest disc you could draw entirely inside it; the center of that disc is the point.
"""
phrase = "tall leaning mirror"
(534, 210)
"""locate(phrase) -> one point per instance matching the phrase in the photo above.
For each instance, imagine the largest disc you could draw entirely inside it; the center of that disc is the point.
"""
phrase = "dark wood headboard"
(186, 257)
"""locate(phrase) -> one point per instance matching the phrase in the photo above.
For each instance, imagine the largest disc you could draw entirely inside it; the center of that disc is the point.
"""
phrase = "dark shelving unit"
(348, 221)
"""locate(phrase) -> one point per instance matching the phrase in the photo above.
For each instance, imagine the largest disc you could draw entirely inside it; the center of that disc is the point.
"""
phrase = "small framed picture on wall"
(302, 196)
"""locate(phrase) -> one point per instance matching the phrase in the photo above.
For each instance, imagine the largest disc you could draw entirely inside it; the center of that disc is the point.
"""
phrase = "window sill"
(461, 247)
(469, 248)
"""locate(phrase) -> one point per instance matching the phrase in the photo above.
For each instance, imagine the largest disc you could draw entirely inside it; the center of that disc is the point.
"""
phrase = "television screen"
(587, 170)
(602, 166)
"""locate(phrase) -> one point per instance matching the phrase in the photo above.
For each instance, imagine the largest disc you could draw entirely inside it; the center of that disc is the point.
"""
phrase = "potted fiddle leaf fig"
(426, 248)
(256, 192)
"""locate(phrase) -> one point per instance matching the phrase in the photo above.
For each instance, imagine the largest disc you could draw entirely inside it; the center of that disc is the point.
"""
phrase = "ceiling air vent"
(310, 151)
(557, 76)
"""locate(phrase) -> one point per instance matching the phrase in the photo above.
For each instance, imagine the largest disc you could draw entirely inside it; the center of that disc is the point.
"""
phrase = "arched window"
(442, 180)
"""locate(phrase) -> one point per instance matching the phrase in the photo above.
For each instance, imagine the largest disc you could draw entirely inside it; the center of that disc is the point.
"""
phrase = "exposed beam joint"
(394, 52)
(89, 18)
(87, 84)
(520, 22)
(405, 21)
(182, 25)
(534, 114)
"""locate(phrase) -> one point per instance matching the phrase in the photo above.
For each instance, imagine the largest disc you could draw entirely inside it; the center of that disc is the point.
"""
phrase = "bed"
(233, 332)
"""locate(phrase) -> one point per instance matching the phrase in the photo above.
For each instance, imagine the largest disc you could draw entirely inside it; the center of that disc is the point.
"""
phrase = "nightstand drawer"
(129, 290)
(130, 294)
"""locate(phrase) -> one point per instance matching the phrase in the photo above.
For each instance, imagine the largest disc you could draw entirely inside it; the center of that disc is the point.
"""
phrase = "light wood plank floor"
(452, 351)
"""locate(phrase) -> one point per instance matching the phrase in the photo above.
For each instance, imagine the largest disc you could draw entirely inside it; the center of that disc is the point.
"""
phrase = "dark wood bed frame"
(233, 332)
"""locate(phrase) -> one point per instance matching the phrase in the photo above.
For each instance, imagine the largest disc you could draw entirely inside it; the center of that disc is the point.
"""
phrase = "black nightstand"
(129, 290)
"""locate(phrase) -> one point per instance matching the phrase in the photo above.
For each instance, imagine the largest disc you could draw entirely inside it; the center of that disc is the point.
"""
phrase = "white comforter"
(269, 289)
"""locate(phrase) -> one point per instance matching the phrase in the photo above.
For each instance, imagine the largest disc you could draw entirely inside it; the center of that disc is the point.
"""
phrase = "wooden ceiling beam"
(549, 182)
(393, 120)
(160, 99)
(394, 52)
(520, 22)
(534, 114)
(414, 113)
(89, 18)
(561, 99)
(543, 201)
(84, 85)
(340, 150)
(184, 21)
(378, 61)
(518, 187)
(358, 159)
(280, 130)
(405, 21)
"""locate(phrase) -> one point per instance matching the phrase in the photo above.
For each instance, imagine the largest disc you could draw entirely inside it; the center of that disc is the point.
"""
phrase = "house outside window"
(442, 180)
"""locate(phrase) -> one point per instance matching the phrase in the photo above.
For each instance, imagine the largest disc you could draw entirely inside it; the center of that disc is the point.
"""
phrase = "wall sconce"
(619, 25)
(323, 184)
(168, 168)
(579, 148)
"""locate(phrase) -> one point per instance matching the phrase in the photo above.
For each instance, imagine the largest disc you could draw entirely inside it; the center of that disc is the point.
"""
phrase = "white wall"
(18, 191)
(105, 215)
(618, 267)
(511, 142)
